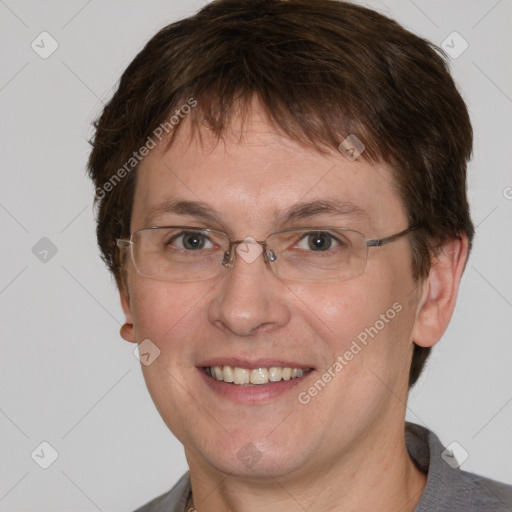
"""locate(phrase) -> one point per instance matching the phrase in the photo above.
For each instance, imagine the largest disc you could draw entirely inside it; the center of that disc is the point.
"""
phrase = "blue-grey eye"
(191, 241)
(317, 241)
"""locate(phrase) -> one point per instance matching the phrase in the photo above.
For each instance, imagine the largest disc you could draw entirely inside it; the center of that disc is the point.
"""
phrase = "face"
(354, 337)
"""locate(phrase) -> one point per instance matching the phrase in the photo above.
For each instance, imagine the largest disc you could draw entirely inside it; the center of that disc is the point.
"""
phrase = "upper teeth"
(257, 376)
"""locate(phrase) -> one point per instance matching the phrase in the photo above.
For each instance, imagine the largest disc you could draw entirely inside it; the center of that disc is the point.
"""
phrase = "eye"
(318, 241)
(190, 241)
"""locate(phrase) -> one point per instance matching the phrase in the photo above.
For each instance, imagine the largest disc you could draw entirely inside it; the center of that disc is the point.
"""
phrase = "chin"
(252, 456)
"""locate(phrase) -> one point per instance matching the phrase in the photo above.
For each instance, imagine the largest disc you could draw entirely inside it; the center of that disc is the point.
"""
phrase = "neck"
(377, 476)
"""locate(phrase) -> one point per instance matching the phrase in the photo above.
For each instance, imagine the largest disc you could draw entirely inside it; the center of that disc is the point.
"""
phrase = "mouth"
(239, 376)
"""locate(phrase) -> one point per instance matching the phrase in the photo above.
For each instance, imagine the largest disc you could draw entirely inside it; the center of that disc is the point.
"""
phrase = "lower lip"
(256, 393)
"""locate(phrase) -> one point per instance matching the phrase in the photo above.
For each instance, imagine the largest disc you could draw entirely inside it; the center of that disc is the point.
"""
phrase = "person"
(281, 193)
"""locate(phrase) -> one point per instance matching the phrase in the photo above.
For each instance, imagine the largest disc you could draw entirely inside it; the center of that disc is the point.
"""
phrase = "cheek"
(363, 331)
(340, 312)
(169, 315)
(366, 337)
(159, 308)
(366, 322)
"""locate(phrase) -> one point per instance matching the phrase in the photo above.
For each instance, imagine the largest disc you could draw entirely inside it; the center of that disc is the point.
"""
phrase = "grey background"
(66, 376)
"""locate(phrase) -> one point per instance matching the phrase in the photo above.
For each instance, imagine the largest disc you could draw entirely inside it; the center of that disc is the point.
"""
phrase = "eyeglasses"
(186, 253)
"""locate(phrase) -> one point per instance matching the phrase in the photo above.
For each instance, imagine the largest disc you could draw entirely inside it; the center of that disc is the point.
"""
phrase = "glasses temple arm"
(381, 241)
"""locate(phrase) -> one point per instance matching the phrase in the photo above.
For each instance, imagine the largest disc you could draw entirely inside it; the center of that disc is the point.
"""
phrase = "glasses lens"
(319, 254)
(178, 253)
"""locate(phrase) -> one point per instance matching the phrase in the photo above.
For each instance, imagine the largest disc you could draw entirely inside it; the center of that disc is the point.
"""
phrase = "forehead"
(255, 176)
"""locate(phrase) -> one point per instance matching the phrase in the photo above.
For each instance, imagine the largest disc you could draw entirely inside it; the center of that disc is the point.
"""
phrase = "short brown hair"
(323, 69)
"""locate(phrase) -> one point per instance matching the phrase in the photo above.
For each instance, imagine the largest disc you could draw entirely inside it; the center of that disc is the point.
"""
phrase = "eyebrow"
(182, 207)
(298, 211)
(307, 210)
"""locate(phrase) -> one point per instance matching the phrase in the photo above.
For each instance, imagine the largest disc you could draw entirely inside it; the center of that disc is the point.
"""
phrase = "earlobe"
(439, 294)
(127, 330)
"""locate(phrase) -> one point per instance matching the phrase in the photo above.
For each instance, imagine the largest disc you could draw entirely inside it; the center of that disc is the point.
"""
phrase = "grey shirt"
(447, 489)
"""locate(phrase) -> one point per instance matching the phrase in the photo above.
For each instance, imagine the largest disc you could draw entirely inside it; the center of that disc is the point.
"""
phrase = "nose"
(250, 299)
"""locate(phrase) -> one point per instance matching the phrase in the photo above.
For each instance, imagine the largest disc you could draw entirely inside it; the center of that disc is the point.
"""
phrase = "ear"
(127, 331)
(439, 292)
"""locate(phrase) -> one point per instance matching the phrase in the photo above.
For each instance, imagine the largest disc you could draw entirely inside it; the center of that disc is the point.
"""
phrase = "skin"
(345, 449)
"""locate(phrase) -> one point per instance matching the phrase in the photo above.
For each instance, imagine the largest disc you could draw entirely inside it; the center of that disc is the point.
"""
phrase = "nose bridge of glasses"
(245, 252)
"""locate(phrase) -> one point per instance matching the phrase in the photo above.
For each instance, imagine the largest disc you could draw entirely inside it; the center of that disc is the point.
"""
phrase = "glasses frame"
(268, 255)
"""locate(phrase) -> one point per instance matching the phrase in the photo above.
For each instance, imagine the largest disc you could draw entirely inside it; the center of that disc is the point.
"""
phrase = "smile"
(256, 376)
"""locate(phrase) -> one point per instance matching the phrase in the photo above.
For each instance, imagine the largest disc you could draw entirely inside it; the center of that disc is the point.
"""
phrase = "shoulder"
(448, 487)
(478, 493)
(172, 501)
